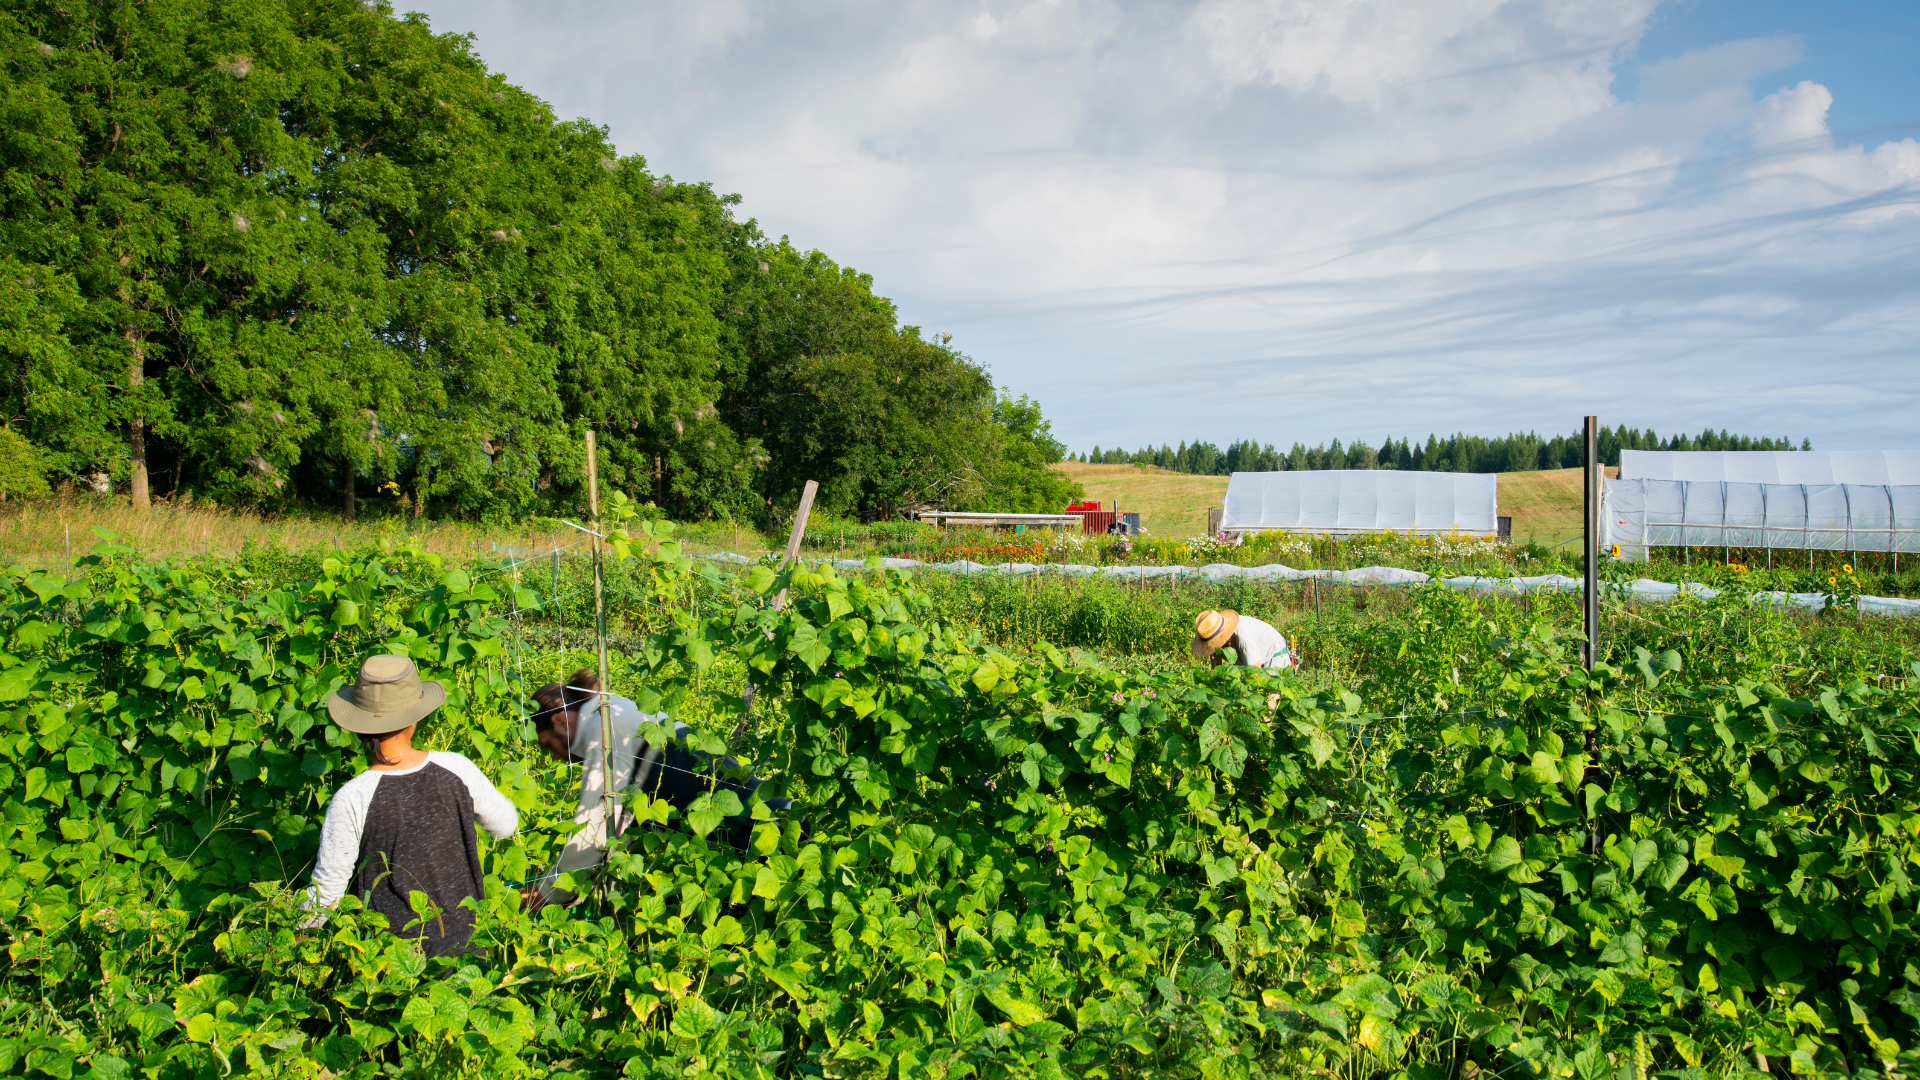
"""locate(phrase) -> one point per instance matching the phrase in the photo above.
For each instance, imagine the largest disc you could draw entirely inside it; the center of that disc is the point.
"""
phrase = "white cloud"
(1293, 219)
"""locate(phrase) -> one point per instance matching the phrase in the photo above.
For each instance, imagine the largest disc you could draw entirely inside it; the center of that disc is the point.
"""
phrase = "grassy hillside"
(1169, 503)
(1545, 505)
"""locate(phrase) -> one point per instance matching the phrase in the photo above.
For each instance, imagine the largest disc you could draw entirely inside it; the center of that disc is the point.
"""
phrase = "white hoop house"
(1872, 468)
(1641, 514)
(1346, 501)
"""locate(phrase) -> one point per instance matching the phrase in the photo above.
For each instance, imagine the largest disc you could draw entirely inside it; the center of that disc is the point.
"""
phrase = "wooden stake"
(600, 637)
(793, 537)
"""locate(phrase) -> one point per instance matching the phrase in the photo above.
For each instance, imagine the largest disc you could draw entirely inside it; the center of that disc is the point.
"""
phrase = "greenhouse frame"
(1643, 514)
(1794, 500)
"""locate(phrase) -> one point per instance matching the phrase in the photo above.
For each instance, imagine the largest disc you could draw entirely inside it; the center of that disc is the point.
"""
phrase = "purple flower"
(1153, 695)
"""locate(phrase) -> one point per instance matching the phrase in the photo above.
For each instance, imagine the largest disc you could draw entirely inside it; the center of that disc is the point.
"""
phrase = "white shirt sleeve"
(340, 842)
(492, 810)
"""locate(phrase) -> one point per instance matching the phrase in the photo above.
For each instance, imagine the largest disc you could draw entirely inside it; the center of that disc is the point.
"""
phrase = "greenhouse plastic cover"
(1872, 467)
(1639, 514)
(1640, 589)
(1361, 500)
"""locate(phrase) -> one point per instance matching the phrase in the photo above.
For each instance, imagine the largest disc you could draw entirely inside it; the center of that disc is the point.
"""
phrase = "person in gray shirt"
(405, 825)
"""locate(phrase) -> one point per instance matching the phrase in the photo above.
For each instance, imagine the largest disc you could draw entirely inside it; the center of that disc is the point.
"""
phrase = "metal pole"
(1590, 590)
(600, 638)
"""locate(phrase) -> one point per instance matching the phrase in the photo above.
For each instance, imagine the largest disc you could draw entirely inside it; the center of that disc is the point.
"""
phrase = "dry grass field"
(1545, 506)
(40, 534)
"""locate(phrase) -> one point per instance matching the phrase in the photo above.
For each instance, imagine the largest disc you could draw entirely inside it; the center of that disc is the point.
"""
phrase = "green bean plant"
(997, 863)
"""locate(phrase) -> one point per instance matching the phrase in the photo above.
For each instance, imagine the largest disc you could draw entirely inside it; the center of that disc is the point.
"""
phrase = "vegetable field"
(1444, 851)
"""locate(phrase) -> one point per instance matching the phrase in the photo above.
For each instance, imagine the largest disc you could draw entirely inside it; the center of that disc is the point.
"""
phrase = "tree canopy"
(306, 252)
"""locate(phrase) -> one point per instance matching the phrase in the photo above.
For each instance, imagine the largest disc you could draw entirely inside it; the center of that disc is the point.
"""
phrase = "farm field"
(1545, 506)
(1038, 839)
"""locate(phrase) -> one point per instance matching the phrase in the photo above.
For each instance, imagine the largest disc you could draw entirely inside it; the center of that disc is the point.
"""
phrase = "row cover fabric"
(1361, 500)
(1817, 467)
(1643, 514)
(1639, 589)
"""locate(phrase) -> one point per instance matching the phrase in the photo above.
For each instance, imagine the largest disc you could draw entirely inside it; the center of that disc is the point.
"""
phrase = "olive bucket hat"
(1212, 629)
(389, 695)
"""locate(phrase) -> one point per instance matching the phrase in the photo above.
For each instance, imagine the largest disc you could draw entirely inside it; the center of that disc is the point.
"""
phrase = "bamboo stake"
(600, 637)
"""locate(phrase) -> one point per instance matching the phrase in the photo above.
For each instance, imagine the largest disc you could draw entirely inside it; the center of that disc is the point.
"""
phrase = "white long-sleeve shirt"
(347, 820)
(1260, 645)
(588, 844)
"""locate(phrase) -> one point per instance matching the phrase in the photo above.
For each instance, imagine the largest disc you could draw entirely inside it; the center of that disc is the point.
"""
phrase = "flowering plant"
(1843, 589)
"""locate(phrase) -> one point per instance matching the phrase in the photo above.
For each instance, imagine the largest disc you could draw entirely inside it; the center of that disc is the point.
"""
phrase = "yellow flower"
(1848, 567)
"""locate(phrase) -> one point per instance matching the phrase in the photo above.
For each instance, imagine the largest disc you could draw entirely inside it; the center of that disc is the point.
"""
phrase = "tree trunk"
(346, 470)
(137, 426)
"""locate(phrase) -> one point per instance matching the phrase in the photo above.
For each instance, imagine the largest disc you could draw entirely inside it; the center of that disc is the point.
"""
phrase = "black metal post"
(1590, 590)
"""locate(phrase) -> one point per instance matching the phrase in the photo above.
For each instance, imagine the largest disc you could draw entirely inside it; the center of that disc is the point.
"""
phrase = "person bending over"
(1255, 643)
(405, 825)
(567, 727)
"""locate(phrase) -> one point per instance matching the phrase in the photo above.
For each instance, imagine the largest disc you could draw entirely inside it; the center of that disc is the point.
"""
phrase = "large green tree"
(297, 251)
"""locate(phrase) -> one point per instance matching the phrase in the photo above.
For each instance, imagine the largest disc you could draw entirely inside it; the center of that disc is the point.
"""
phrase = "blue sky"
(1866, 51)
(1298, 220)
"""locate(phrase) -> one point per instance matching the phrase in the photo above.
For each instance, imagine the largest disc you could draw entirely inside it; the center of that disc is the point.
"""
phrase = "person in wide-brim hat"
(404, 826)
(1213, 629)
(1255, 643)
(388, 696)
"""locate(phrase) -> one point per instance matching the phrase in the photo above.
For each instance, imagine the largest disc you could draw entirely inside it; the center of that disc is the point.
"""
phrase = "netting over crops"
(1641, 514)
(1361, 500)
(1816, 467)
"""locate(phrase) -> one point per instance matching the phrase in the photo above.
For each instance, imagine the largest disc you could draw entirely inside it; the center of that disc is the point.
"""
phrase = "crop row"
(1011, 863)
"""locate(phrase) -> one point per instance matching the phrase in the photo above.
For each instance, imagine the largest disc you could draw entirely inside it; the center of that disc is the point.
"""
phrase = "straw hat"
(388, 696)
(1212, 629)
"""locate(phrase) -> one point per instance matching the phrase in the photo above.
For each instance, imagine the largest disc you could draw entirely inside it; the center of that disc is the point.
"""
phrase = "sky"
(1300, 220)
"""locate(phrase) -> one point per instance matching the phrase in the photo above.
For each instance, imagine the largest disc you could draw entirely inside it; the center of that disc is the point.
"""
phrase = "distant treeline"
(1454, 453)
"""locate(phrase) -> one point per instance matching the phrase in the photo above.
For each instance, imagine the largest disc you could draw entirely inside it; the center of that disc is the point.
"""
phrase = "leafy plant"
(998, 864)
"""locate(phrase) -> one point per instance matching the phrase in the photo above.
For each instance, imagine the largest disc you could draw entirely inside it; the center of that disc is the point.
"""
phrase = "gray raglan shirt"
(392, 832)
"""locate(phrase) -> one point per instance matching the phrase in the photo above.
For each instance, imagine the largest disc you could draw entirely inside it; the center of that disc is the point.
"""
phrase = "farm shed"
(1344, 501)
